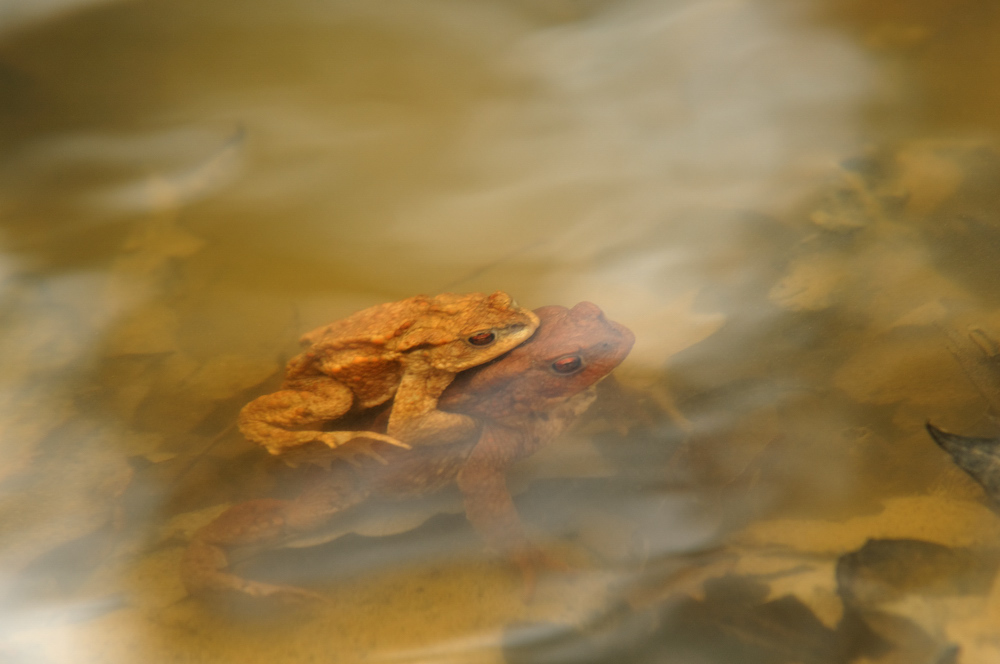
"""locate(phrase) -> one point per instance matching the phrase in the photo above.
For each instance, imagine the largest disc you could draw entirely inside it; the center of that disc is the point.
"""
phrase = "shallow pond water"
(792, 205)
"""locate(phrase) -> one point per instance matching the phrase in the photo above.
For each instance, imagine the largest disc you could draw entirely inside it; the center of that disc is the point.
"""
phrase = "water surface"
(792, 205)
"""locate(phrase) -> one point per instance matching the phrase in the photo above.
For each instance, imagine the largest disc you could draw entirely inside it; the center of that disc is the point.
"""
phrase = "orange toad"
(410, 350)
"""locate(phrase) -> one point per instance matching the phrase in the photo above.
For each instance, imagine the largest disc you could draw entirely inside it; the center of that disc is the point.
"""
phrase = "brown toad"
(519, 402)
(408, 351)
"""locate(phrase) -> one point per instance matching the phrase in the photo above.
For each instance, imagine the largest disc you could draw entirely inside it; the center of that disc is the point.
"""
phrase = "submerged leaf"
(979, 457)
(884, 570)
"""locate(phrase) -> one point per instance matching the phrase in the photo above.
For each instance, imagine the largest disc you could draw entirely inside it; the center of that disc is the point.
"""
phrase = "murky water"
(792, 205)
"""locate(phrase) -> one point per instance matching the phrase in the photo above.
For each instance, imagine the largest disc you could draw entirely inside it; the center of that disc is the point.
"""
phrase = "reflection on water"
(793, 210)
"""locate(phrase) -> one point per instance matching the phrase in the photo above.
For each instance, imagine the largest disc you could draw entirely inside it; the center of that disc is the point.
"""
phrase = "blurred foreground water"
(792, 205)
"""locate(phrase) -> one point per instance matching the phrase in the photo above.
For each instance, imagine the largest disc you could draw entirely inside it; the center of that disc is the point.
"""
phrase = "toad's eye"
(482, 338)
(568, 364)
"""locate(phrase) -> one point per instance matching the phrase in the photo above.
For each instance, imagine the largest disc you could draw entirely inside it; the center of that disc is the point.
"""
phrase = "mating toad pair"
(475, 382)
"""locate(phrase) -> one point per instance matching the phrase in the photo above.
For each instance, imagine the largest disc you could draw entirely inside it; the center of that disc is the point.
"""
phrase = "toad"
(408, 351)
(519, 402)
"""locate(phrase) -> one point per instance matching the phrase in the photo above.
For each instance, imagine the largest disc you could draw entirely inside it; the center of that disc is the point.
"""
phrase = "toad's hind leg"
(261, 524)
(292, 417)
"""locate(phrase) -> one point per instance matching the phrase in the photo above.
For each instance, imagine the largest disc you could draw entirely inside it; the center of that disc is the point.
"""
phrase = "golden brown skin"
(410, 350)
(520, 401)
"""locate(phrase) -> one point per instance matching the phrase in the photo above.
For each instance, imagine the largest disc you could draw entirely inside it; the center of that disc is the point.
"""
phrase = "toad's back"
(375, 325)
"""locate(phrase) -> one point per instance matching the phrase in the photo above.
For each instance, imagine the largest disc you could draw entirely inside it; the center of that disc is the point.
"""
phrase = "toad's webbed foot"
(531, 560)
(338, 439)
(203, 571)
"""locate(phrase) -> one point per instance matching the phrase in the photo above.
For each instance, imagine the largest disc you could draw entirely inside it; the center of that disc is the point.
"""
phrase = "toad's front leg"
(290, 418)
(415, 417)
(490, 508)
